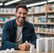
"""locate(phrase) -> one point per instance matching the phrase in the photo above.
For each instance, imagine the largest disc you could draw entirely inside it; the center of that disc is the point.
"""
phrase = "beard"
(21, 19)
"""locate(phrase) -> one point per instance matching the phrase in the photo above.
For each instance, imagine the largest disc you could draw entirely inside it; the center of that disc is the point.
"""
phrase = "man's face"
(21, 15)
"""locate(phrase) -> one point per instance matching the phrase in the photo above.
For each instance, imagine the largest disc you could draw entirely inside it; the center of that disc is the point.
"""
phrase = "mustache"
(22, 17)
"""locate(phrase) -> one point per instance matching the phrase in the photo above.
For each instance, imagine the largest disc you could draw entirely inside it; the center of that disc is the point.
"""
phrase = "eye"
(24, 13)
(19, 12)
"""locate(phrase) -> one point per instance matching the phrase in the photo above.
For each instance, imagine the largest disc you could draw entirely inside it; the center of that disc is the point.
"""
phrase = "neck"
(19, 24)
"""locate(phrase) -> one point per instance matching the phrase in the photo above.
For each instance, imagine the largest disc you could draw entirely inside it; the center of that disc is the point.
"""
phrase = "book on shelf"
(30, 10)
(40, 19)
(36, 9)
(50, 20)
(1, 29)
(12, 17)
(39, 9)
(43, 19)
(36, 19)
(29, 19)
(44, 30)
(50, 15)
(2, 19)
(5, 19)
(7, 10)
(43, 8)
(50, 7)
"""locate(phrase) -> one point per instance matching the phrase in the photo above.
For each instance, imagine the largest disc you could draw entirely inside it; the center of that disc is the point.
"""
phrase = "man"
(17, 31)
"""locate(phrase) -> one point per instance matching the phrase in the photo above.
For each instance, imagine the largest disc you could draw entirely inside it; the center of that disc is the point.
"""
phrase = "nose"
(22, 15)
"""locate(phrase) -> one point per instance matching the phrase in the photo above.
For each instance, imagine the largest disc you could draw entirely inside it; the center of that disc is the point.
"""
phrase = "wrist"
(19, 46)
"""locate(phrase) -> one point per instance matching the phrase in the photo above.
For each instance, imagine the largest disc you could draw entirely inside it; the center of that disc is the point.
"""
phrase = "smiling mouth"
(21, 20)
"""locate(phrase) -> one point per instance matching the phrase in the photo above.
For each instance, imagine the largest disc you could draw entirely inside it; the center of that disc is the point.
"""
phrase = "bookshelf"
(2, 22)
(49, 33)
(43, 19)
(7, 14)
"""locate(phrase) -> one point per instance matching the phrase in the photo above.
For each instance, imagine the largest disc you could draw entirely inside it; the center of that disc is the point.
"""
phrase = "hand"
(21, 46)
(27, 46)
(24, 46)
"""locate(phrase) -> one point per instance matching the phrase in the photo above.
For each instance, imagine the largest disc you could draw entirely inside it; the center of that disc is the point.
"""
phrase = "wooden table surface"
(19, 51)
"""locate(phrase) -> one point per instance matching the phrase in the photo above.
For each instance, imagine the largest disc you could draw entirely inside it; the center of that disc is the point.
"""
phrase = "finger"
(27, 48)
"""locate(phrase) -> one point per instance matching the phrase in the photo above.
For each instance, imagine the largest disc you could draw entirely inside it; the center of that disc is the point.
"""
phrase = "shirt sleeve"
(6, 39)
(33, 36)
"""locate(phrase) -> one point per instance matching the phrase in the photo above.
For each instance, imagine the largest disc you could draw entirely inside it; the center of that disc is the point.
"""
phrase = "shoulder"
(9, 23)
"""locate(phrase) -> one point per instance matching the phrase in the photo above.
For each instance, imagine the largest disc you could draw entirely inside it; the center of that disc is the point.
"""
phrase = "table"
(19, 51)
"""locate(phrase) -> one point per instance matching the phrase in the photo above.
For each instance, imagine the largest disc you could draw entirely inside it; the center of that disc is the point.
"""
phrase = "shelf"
(7, 14)
(39, 13)
(0, 33)
(51, 17)
(39, 23)
(32, 13)
(50, 12)
(51, 23)
(2, 22)
(50, 33)
(44, 23)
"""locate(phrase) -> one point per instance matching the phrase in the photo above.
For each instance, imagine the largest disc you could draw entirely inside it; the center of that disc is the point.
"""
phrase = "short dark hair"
(21, 6)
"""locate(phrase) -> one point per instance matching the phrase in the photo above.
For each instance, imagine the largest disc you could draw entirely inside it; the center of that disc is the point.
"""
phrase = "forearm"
(7, 44)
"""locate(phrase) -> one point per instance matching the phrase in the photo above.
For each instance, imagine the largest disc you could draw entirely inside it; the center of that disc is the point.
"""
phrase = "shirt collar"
(24, 26)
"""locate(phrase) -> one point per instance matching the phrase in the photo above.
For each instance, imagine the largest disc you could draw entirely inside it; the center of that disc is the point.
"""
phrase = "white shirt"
(19, 35)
